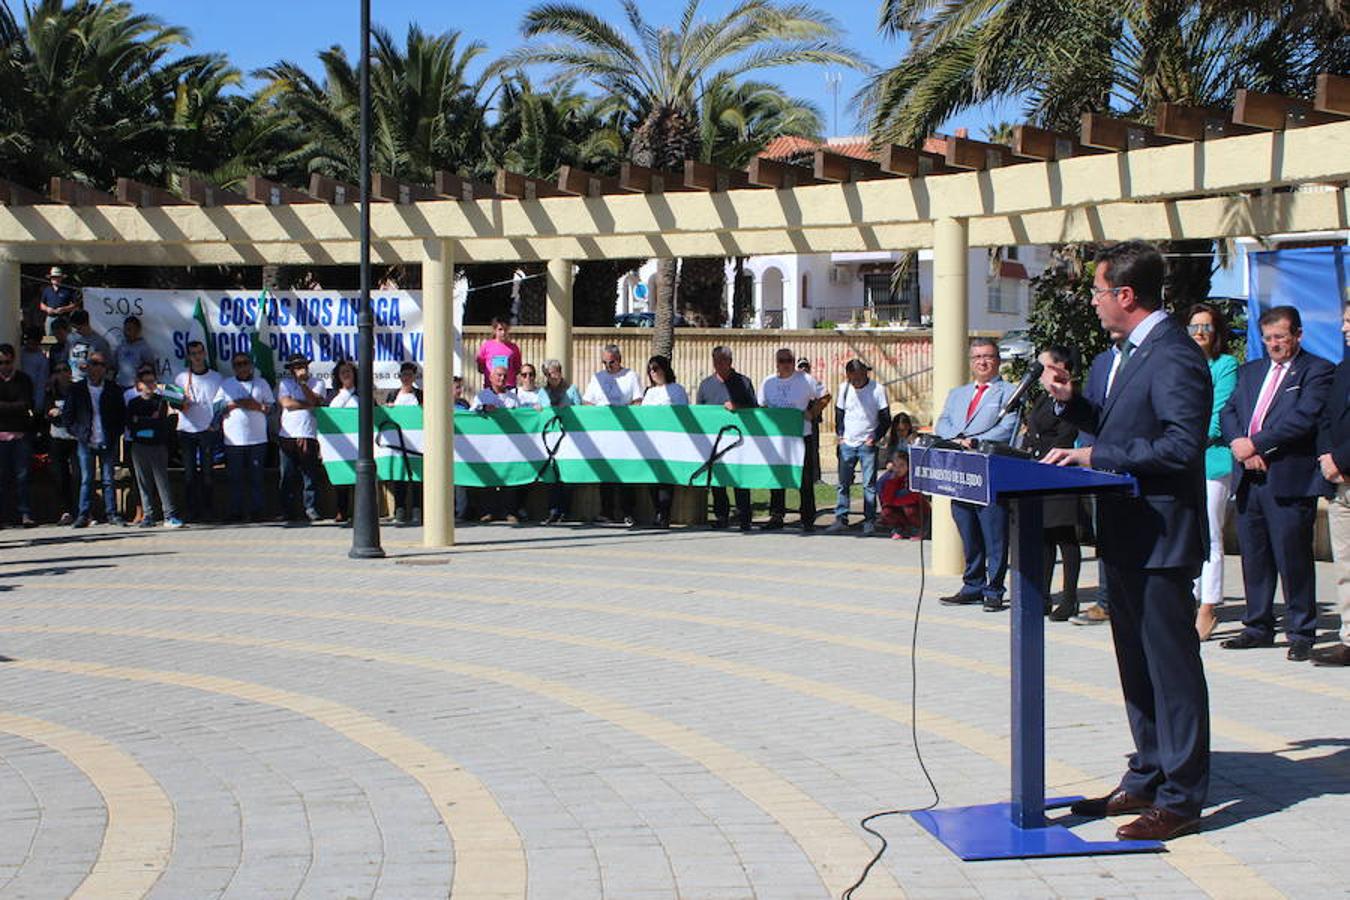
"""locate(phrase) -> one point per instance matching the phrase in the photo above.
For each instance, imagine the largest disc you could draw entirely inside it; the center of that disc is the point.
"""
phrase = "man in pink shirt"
(499, 350)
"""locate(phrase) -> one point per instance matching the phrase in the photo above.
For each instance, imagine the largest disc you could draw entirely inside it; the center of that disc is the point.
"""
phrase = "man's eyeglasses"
(1096, 291)
(1200, 328)
(525, 374)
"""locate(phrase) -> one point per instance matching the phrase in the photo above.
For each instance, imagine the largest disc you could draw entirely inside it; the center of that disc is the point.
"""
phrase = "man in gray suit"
(970, 413)
(1149, 407)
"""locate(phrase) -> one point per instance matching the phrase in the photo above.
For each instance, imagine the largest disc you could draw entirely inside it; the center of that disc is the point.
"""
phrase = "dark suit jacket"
(78, 413)
(1288, 436)
(1154, 426)
(1333, 434)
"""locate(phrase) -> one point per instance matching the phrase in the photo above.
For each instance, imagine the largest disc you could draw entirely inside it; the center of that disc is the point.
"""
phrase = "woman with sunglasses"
(1208, 327)
(663, 390)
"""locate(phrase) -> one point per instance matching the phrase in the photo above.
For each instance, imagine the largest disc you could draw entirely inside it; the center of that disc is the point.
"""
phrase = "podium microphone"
(1020, 392)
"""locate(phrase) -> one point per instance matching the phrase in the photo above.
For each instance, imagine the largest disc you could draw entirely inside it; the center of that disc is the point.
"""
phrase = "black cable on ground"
(865, 824)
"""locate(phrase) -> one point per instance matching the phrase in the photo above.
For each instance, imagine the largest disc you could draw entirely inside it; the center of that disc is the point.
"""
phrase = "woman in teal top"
(1208, 327)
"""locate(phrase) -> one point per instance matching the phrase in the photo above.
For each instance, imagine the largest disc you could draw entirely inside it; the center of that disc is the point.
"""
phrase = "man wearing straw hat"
(58, 299)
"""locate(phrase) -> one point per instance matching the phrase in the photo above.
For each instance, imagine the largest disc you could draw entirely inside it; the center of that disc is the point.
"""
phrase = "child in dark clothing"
(149, 427)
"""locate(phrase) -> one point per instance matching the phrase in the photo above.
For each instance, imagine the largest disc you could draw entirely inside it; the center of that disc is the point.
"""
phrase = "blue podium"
(1018, 829)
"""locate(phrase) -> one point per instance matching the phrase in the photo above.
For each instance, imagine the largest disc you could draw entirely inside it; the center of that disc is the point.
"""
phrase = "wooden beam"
(133, 193)
(965, 153)
(771, 173)
(1196, 123)
(837, 167)
(1040, 143)
(1276, 112)
(271, 193)
(448, 184)
(580, 183)
(912, 163)
(706, 177)
(1333, 94)
(1108, 133)
(387, 187)
(12, 194)
(523, 187)
(642, 180)
(330, 190)
(67, 190)
(203, 193)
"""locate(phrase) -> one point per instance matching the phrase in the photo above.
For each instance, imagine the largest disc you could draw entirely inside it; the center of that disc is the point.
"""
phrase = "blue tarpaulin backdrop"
(1313, 280)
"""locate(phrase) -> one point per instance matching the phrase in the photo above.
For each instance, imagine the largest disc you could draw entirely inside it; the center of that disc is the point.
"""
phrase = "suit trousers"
(722, 508)
(1276, 537)
(984, 537)
(1163, 680)
(1338, 519)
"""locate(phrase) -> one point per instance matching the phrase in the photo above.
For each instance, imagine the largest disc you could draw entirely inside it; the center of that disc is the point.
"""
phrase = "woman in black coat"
(1044, 432)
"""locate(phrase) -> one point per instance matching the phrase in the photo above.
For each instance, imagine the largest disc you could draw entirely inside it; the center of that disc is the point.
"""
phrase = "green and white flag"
(756, 448)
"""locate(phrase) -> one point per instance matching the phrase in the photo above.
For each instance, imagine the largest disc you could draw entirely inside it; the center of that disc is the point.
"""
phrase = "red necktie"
(975, 401)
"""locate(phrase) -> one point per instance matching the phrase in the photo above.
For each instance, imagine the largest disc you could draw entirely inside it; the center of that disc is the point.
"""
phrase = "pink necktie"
(1267, 397)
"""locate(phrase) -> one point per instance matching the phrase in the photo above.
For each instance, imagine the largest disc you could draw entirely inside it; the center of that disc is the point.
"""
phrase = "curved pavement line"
(1219, 725)
(1192, 856)
(138, 836)
(1053, 636)
(836, 852)
(489, 859)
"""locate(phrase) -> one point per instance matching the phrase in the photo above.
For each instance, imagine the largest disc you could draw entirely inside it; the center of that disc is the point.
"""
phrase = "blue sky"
(255, 33)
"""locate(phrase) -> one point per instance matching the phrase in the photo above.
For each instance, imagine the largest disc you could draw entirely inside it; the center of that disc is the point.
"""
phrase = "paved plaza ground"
(582, 713)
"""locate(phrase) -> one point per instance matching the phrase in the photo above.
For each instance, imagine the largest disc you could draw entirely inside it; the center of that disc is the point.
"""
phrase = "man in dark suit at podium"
(1150, 412)
(1270, 424)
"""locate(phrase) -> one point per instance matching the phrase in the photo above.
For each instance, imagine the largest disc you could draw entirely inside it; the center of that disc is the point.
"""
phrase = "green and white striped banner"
(755, 448)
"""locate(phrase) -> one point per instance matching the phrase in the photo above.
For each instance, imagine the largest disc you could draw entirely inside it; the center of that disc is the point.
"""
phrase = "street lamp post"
(365, 515)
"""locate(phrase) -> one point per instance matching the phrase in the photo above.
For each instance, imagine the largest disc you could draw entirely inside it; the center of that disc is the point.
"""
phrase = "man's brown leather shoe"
(1116, 803)
(1335, 655)
(1157, 825)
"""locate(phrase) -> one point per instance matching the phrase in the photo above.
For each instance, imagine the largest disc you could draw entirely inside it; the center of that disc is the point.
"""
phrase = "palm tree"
(1065, 57)
(88, 92)
(1122, 57)
(661, 74)
(426, 114)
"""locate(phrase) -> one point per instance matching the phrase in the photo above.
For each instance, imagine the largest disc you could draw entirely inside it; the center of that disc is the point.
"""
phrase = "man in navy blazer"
(1270, 424)
(971, 413)
(1333, 447)
(1148, 407)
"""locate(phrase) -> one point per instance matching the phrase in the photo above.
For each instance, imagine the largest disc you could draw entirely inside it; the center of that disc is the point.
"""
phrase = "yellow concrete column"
(10, 289)
(558, 337)
(438, 399)
(951, 364)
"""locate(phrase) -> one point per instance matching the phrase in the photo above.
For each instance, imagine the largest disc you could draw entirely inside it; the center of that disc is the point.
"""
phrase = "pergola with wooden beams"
(1197, 173)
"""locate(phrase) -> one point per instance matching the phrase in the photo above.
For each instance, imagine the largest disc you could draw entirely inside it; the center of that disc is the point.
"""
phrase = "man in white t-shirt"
(245, 399)
(789, 389)
(861, 418)
(614, 385)
(198, 431)
(498, 394)
(298, 395)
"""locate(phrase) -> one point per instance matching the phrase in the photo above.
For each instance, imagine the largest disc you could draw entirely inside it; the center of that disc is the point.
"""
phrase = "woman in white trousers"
(1208, 327)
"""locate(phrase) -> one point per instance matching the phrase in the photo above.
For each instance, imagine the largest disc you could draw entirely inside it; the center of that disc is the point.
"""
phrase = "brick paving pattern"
(582, 713)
